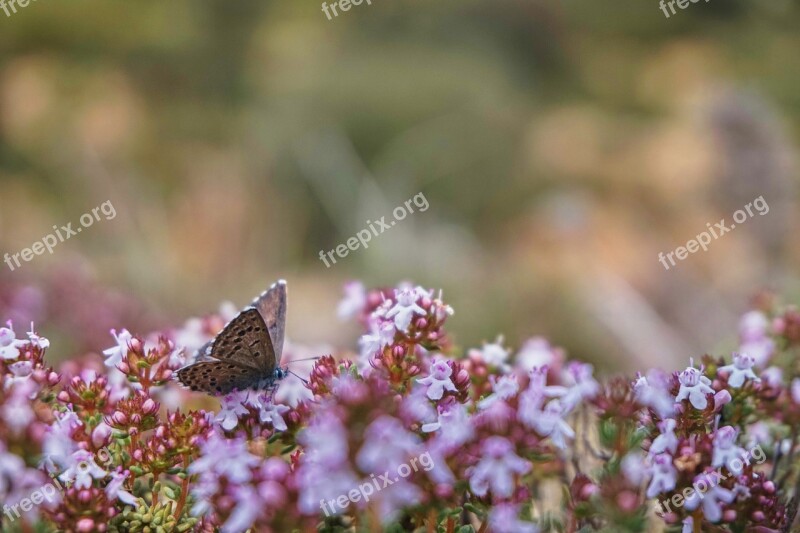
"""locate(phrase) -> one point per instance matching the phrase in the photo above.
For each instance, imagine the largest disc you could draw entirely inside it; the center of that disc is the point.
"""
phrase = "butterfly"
(246, 353)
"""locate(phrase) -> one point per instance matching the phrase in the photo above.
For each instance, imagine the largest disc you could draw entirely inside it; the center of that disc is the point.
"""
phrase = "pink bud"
(149, 406)
(758, 516)
(627, 501)
(422, 323)
(721, 398)
(769, 487)
(729, 516)
(138, 455)
(85, 524)
(63, 396)
(119, 418)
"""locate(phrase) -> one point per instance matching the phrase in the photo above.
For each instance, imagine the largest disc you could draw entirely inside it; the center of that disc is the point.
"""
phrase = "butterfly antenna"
(306, 359)
(304, 380)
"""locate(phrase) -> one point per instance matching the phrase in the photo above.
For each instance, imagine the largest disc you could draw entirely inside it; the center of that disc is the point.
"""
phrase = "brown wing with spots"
(245, 341)
(217, 377)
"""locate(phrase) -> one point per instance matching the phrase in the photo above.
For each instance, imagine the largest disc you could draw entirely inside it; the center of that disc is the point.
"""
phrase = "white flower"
(493, 353)
(741, 369)
(405, 308)
(114, 355)
(535, 353)
(381, 334)
(36, 340)
(695, 387)
(9, 345)
(439, 380)
(502, 389)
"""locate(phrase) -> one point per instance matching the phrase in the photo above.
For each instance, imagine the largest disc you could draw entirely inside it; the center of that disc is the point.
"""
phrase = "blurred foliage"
(561, 145)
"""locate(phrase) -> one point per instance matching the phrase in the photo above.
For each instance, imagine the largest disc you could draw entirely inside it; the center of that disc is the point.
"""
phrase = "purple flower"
(664, 475)
(11, 468)
(550, 423)
(667, 440)
(387, 444)
(654, 394)
(232, 408)
(581, 385)
(711, 500)
(504, 518)
(82, 470)
(439, 379)
(225, 457)
(694, 386)
(741, 369)
(726, 450)
(271, 412)
(453, 425)
(496, 469)
(115, 491)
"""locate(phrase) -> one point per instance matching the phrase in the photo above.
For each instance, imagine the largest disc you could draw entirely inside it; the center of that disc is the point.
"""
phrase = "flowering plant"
(526, 443)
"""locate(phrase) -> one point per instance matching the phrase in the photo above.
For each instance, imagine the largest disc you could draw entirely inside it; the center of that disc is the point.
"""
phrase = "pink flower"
(272, 413)
(496, 469)
(354, 302)
(438, 380)
(536, 352)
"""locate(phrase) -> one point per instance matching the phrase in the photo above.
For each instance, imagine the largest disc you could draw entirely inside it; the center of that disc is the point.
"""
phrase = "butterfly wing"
(271, 305)
(217, 377)
(244, 341)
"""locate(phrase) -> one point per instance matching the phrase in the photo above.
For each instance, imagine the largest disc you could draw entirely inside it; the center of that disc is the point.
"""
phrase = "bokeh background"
(561, 145)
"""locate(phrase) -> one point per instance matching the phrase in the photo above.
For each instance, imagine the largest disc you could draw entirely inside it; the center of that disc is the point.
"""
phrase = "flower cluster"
(404, 435)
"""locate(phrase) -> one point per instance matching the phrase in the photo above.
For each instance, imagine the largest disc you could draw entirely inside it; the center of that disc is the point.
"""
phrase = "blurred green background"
(561, 145)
